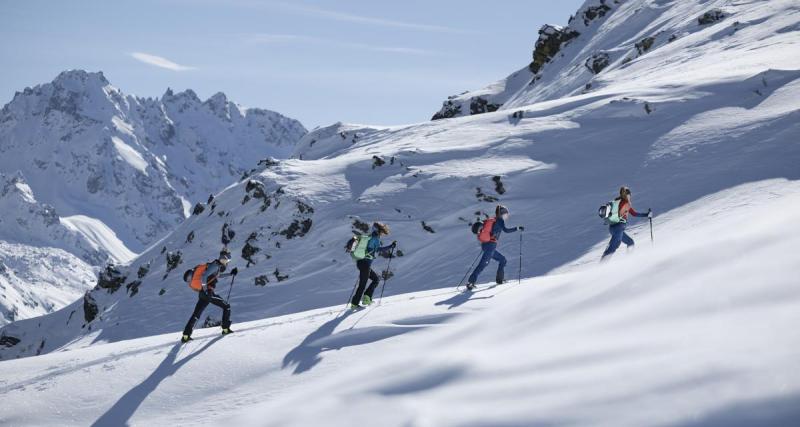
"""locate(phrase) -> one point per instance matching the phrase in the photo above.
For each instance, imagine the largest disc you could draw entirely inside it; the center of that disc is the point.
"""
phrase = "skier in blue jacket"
(364, 265)
(488, 238)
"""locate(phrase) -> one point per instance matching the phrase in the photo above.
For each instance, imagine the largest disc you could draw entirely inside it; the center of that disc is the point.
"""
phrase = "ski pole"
(386, 274)
(651, 230)
(519, 274)
(353, 292)
(230, 289)
(469, 269)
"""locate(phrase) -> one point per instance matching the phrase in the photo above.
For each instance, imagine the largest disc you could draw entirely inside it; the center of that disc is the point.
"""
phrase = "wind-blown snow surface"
(698, 329)
(287, 223)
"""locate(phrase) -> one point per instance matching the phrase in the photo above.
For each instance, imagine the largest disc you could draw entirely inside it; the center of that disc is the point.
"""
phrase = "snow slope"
(645, 48)
(286, 224)
(698, 329)
(135, 164)
(99, 235)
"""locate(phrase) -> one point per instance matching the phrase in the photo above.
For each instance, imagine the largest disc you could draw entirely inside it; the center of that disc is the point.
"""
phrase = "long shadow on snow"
(459, 299)
(307, 354)
(126, 406)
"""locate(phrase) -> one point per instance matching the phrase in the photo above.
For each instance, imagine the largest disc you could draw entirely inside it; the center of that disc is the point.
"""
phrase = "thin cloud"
(159, 61)
(349, 17)
(292, 38)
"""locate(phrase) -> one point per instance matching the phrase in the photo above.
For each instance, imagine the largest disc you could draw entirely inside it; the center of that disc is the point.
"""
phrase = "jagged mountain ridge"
(136, 164)
(552, 165)
(91, 171)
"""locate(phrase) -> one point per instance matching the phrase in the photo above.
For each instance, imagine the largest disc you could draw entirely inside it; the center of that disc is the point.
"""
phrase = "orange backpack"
(197, 278)
(485, 235)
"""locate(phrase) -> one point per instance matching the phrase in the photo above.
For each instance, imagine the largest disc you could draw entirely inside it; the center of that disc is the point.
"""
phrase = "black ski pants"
(204, 299)
(365, 273)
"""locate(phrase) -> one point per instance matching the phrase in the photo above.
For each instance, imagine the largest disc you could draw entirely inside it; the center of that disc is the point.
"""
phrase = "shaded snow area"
(696, 329)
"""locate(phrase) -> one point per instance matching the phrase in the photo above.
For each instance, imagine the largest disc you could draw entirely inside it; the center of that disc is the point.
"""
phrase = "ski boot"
(470, 286)
(186, 338)
(226, 331)
(366, 300)
(354, 307)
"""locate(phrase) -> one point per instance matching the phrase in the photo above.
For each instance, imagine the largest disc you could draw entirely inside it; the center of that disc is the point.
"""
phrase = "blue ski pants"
(618, 236)
(489, 253)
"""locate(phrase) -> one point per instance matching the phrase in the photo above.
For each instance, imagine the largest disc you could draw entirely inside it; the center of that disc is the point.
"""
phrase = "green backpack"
(610, 212)
(357, 246)
(614, 217)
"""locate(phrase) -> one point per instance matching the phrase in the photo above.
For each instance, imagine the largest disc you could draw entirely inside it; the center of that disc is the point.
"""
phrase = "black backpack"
(476, 227)
(351, 244)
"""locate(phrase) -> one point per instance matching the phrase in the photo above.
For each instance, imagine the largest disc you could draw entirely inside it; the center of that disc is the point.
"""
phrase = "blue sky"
(360, 61)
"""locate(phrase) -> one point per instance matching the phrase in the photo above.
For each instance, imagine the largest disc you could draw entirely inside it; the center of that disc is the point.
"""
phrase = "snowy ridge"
(25, 220)
(134, 164)
(675, 330)
(639, 48)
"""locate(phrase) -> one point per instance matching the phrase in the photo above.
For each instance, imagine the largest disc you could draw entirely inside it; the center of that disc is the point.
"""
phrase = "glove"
(394, 244)
(649, 213)
(521, 228)
(235, 271)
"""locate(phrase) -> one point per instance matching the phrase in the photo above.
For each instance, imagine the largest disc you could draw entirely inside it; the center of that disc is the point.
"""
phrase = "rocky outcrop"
(643, 45)
(90, 309)
(479, 105)
(551, 40)
(449, 109)
(110, 279)
(598, 62)
(710, 17)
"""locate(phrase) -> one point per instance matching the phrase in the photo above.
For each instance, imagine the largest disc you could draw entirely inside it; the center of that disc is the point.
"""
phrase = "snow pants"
(489, 253)
(618, 235)
(365, 273)
(204, 299)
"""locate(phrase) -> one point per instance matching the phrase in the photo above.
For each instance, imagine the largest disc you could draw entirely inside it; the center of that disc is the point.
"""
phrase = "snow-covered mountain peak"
(80, 80)
(135, 164)
(219, 105)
